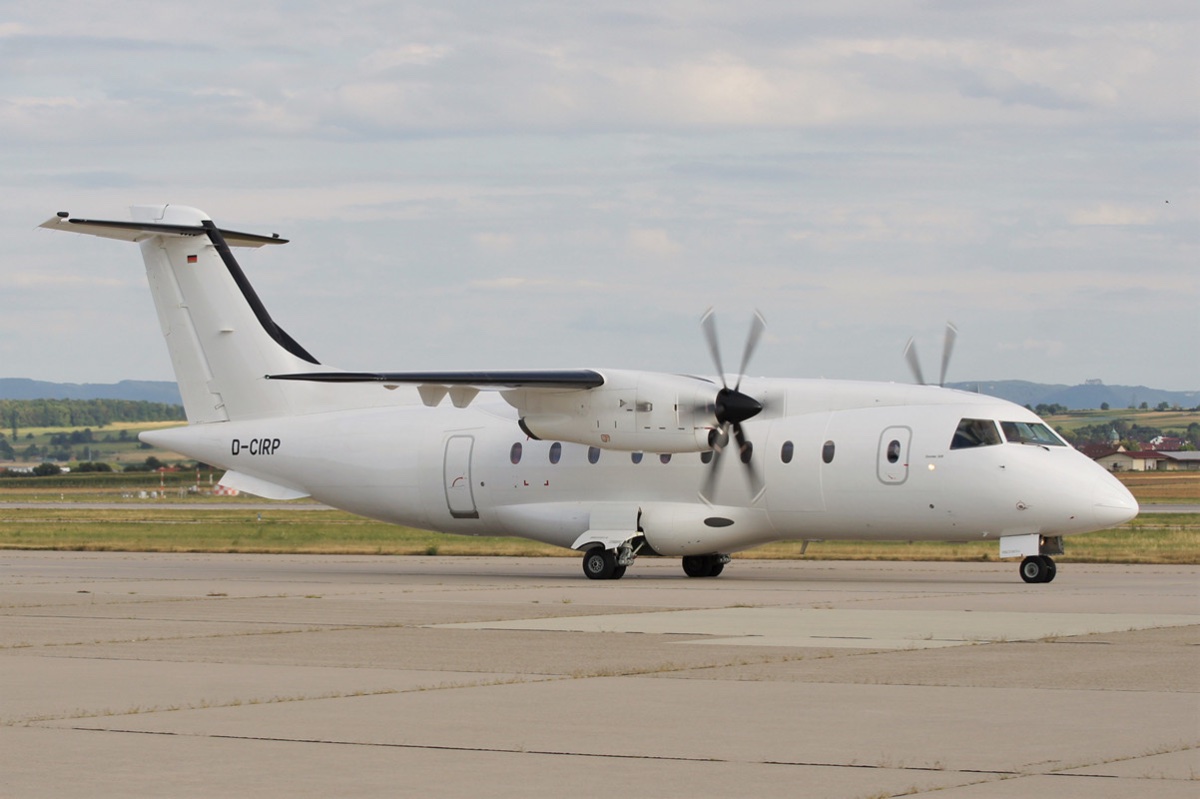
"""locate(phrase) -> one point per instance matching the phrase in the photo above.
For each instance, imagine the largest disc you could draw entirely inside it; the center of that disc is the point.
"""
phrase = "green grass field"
(1151, 538)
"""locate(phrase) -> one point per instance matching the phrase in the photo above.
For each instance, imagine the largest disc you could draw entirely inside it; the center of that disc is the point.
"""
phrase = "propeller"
(731, 407)
(914, 362)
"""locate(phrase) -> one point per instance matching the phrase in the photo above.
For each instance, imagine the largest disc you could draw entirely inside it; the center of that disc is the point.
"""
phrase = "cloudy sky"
(545, 184)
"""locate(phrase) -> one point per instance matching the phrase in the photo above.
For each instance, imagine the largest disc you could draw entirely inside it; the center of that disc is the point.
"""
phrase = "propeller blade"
(757, 325)
(731, 407)
(745, 455)
(709, 323)
(709, 488)
(947, 348)
(914, 363)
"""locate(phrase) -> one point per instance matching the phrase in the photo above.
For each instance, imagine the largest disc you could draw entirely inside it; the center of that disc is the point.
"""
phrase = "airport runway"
(235, 675)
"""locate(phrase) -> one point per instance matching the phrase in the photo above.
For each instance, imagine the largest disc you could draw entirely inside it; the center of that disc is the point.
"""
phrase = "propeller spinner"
(732, 407)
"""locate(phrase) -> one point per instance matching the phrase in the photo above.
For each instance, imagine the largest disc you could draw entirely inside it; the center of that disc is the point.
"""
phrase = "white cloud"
(1105, 214)
(654, 242)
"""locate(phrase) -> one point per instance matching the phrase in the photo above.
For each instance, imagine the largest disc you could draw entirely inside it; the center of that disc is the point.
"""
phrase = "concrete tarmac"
(236, 675)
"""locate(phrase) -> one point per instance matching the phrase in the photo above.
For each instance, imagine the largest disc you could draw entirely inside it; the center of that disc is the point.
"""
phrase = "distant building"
(1150, 461)
(1098, 451)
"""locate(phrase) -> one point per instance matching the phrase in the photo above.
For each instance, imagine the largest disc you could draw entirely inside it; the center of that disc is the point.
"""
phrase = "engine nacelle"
(673, 528)
(632, 411)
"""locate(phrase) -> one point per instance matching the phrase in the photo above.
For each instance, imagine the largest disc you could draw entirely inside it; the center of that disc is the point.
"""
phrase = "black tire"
(599, 564)
(1033, 569)
(1051, 569)
(716, 568)
(618, 572)
(695, 565)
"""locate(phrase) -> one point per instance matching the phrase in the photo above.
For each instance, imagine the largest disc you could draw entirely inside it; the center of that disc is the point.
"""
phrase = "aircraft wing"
(547, 378)
(137, 231)
(462, 387)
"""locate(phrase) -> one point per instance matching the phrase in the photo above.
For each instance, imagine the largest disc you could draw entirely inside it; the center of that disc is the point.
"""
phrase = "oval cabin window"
(827, 452)
(514, 454)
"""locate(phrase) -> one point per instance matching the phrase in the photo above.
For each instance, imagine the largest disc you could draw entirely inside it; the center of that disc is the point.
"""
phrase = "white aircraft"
(610, 462)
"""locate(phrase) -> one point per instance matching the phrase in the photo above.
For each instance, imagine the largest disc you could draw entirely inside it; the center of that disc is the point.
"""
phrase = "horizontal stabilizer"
(137, 231)
(551, 378)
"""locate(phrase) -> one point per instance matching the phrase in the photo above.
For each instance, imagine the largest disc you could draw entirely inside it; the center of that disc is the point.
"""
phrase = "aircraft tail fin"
(221, 339)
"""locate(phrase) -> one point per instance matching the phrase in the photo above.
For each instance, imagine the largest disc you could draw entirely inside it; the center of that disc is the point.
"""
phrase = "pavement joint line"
(555, 753)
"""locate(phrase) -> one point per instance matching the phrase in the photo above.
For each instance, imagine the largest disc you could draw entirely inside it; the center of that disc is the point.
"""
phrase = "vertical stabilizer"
(218, 333)
(221, 339)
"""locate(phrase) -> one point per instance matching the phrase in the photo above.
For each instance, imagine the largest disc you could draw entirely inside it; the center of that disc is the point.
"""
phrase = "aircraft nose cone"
(1113, 504)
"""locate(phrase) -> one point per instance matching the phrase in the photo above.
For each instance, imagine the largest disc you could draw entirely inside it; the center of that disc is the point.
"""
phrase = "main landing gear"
(1038, 569)
(601, 564)
(704, 565)
(610, 564)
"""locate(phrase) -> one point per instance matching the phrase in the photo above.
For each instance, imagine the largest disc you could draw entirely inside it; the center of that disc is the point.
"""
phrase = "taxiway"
(202, 675)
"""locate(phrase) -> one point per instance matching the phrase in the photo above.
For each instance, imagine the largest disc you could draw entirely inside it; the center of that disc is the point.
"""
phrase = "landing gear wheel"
(702, 565)
(618, 572)
(1038, 569)
(600, 564)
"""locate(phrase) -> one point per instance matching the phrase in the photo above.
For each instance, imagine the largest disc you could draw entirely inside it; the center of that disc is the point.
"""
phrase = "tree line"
(1130, 433)
(17, 414)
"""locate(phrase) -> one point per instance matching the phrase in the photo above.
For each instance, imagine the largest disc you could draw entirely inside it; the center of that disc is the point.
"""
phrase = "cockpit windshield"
(984, 433)
(975, 433)
(1030, 433)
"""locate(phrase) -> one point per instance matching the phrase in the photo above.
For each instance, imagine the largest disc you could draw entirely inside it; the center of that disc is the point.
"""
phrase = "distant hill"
(1090, 395)
(1022, 392)
(20, 388)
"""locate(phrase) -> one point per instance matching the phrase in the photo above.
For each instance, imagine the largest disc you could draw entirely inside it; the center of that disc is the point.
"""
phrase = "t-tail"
(221, 339)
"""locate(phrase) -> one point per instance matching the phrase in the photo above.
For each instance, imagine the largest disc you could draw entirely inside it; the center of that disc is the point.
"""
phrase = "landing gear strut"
(1038, 569)
(704, 565)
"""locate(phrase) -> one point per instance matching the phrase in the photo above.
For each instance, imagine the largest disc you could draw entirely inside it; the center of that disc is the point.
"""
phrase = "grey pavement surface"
(234, 675)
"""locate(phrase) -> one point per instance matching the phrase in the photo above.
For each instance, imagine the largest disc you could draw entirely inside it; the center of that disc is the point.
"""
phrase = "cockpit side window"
(1030, 433)
(975, 433)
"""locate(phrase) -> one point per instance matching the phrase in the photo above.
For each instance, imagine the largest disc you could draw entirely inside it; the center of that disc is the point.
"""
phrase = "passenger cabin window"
(514, 454)
(747, 452)
(593, 454)
(706, 456)
(785, 454)
(893, 452)
(555, 452)
(975, 433)
(636, 457)
(665, 458)
(1030, 433)
(827, 452)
